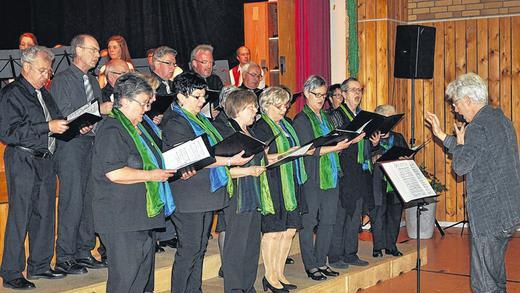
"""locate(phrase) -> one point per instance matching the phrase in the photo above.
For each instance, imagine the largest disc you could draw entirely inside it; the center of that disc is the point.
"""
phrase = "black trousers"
(193, 231)
(31, 189)
(241, 249)
(322, 205)
(344, 244)
(168, 232)
(488, 269)
(385, 221)
(130, 260)
(76, 237)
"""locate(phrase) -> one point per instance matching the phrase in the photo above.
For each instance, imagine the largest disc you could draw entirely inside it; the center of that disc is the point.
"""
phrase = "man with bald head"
(71, 89)
(114, 69)
(252, 76)
(243, 55)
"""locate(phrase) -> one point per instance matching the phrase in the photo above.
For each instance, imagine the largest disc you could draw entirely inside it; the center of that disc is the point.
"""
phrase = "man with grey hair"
(485, 150)
(113, 70)
(164, 64)
(28, 118)
(202, 62)
(71, 89)
(251, 78)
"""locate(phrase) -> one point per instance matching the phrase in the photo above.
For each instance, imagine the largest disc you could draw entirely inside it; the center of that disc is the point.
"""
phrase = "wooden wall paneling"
(382, 61)
(419, 118)
(382, 9)
(362, 57)
(482, 49)
(515, 78)
(494, 61)
(362, 9)
(449, 75)
(370, 66)
(438, 91)
(505, 65)
(471, 45)
(256, 35)
(429, 106)
(287, 42)
(460, 68)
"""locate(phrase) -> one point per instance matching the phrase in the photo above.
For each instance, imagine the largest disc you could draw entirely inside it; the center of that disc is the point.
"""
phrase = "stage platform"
(350, 280)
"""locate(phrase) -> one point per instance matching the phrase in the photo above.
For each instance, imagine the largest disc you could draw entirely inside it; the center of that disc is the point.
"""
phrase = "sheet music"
(296, 153)
(186, 154)
(92, 108)
(408, 180)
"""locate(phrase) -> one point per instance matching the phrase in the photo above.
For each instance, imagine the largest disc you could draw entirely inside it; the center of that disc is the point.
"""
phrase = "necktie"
(51, 141)
(168, 90)
(88, 88)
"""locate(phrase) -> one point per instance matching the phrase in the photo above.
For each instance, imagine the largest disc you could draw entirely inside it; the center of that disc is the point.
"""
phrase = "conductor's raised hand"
(459, 132)
(433, 122)
(58, 126)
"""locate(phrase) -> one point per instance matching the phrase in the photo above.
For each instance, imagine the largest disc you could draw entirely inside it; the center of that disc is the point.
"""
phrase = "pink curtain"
(312, 42)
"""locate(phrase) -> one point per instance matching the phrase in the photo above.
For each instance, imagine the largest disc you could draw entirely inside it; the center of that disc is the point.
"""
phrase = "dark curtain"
(181, 24)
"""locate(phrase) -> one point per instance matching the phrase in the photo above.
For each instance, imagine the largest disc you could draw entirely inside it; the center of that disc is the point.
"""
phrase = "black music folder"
(193, 154)
(238, 142)
(84, 116)
(160, 105)
(396, 152)
(373, 122)
(290, 156)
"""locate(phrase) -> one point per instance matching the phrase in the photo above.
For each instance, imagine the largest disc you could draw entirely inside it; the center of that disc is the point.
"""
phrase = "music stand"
(62, 58)
(415, 190)
(141, 65)
(10, 64)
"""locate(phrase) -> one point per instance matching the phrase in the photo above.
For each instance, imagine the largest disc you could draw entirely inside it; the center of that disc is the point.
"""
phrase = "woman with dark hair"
(117, 49)
(208, 191)
(321, 190)
(129, 187)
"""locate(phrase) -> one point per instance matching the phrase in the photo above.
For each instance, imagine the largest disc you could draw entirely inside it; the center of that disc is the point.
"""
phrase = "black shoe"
(339, 265)
(328, 272)
(221, 272)
(289, 261)
(49, 274)
(316, 275)
(377, 253)
(170, 243)
(91, 263)
(158, 248)
(357, 262)
(289, 286)
(19, 284)
(266, 286)
(70, 267)
(393, 252)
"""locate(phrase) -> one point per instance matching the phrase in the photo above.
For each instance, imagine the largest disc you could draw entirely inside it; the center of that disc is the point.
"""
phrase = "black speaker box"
(414, 50)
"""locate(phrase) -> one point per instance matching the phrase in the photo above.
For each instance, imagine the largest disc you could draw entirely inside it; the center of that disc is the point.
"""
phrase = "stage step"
(349, 281)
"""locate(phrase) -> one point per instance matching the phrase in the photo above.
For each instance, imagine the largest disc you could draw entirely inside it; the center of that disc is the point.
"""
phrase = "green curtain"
(353, 49)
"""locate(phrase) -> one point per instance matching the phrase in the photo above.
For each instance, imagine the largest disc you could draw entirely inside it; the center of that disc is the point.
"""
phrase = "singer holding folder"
(130, 194)
(196, 199)
(242, 217)
(281, 199)
(321, 189)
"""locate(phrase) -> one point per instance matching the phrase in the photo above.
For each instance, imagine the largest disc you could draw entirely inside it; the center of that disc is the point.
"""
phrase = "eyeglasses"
(197, 97)
(318, 95)
(337, 95)
(356, 90)
(205, 62)
(254, 75)
(455, 102)
(43, 71)
(142, 104)
(94, 50)
(172, 64)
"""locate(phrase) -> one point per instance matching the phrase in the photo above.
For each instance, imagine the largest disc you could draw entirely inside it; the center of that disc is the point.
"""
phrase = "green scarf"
(213, 133)
(153, 200)
(361, 145)
(328, 178)
(286, 170)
